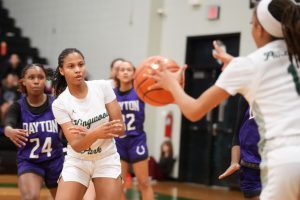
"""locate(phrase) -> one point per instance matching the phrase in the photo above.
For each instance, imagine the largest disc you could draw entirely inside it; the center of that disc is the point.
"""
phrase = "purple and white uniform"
(133, 147)
(43, 152)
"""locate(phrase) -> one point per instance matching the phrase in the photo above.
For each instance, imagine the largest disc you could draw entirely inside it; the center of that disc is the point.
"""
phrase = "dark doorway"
(206, 144)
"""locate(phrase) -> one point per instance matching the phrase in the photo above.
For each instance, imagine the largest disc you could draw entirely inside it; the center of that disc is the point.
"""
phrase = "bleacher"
(16, 43)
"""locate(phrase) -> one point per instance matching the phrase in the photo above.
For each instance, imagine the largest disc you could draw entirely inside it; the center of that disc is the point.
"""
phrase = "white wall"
(105, 29)
(101, 29)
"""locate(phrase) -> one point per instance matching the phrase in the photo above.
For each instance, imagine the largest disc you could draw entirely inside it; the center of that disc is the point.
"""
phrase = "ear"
(261, 30)
(61, 71)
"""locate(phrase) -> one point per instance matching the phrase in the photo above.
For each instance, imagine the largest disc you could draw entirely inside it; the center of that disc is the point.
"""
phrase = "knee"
(144, 183)
(31, 195)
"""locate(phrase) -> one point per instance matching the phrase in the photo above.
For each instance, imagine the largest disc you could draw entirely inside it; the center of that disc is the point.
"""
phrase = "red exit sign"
(213, 12)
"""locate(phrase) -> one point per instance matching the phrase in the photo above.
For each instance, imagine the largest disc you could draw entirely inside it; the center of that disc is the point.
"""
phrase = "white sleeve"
(109, 94)
(238, 76)
(60, 113)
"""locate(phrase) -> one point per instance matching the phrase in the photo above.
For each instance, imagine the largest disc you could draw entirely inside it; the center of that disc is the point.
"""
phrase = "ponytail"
(291, 32)
(59, 83)
(288, 13)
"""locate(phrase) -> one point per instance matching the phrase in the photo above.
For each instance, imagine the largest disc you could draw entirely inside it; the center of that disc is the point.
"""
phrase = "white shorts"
(280, 173)
(281, 182)
(82, 171)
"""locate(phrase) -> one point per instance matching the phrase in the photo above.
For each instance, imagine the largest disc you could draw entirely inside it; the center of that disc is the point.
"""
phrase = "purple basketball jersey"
(133, 111)
(43, 141)
(249, 138)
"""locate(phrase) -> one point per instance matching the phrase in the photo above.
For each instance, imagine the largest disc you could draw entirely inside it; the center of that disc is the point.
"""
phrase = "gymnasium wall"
(133, 29)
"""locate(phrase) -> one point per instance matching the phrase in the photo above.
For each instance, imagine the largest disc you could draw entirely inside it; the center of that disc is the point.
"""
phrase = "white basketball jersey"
(270, 83)
(89, 112)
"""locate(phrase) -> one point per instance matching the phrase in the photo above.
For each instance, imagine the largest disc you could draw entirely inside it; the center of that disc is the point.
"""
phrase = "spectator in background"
(13, 66)
(9, 93)
(114, 69)
(166, 161)
(49, 81)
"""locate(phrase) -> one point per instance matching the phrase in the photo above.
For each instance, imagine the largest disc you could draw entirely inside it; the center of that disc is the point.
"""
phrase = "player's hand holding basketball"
(17, 136)
(166, 79)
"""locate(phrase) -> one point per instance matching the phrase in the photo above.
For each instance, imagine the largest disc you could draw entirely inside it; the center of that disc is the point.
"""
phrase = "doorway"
(205, 145)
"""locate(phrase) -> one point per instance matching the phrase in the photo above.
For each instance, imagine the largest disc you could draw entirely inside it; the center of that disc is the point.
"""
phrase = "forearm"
(235, 154)
(82, 142)
(185, 103)
(7, 130)
(195, 109)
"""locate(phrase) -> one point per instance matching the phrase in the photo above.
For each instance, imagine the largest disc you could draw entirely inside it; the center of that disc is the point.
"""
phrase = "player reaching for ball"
(132, 147)
(268, 78)
(157, 96)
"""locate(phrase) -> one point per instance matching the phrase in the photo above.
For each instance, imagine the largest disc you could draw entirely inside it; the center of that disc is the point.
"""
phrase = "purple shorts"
(132, 149)
(49, 170)
(250, 182)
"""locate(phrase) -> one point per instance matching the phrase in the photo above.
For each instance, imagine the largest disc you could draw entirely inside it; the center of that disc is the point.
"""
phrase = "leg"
(53, 192)
(108, 188)
(90, 193)
(75, 179)
(30, 185)
(142, 173)
(53, 170)
(250, 183)
(70, 190)
(124, 167)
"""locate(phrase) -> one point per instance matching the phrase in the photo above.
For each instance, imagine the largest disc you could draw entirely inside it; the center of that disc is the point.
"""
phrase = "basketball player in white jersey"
(269, 80)
(90, 118)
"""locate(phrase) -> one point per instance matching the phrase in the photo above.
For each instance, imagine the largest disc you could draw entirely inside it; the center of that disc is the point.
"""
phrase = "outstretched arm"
(193, 109)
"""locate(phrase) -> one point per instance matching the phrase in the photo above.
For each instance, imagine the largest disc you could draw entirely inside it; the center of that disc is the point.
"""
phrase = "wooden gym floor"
(163, 191)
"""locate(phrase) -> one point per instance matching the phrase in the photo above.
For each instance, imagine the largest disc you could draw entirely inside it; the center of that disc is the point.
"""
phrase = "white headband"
(270, 24)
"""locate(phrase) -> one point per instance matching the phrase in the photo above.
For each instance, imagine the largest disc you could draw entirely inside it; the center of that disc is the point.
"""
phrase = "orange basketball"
(154, 97)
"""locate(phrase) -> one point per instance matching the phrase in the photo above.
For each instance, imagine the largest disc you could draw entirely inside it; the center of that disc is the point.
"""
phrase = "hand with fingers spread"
(111, 129)
(17, 136)
(220, 54)
(230, 170)
(166, 79)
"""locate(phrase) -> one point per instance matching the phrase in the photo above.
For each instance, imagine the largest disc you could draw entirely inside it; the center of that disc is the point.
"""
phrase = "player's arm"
(17, 136)
(234, 165)
(81, 138)
(193, 109)
(114, 112)
(221, 54)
